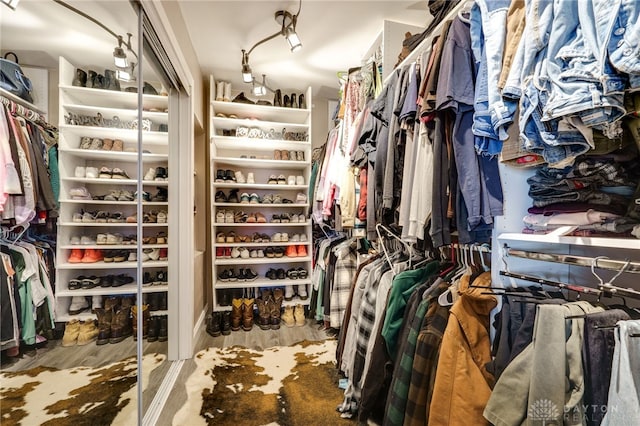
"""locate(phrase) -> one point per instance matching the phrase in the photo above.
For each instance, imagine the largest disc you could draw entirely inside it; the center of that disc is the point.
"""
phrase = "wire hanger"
(386, 254)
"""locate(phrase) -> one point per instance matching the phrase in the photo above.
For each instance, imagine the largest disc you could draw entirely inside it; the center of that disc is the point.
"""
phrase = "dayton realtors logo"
(544, 410)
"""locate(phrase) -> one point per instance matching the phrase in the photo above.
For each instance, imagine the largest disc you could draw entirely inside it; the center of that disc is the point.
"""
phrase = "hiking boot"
(145, 321)
(163, 333)
(298, 314)
(104, 325)
(226, 323)
(120, 324)
(111, 302)
(88, 332)
(287, 317)
(275, 307)
(154, 329)
(237, 309)
(71, 332)
(264, 313)
(247, 314)
(213, 325)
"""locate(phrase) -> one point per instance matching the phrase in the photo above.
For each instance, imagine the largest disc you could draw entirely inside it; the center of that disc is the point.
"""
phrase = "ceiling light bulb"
(125, 75)
(293, 39)
(120, 58)
(247, 77)
(259, 90)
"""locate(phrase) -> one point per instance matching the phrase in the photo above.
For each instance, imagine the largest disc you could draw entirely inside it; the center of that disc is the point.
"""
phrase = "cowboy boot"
(91, 79)
(121, 325)
(104, 325)
(80, 78)
(263, 313)
(213, 324)
(247, 314)
(277, 98)
(145, 321)
(226, 323)
(276, 305)
(237, 309)
(294, 101)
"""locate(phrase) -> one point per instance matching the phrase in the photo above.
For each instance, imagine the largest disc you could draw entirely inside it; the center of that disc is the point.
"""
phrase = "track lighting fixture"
(124, 66)
(287, 23)
(260, 89)
(13, 4)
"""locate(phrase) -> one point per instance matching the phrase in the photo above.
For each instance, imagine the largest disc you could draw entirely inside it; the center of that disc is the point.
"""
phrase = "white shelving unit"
(124, 105)
(256, 155)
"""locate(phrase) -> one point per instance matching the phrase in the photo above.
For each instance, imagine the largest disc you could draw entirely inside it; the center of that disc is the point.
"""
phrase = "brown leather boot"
(263, 313)
(145, 321)
(276, 305)
(247, 314)
(104, 325)
(237, 308)
(111, 302)
(120, 325)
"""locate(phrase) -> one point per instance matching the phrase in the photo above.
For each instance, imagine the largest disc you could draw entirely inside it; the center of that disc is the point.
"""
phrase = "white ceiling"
(335, 35)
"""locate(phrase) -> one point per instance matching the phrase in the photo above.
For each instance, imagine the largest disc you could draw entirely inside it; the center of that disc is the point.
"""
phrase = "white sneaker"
(78, 304)
(240, 177)
(277, 237)
(235, 253)
(291, 180)
(303, 238)
(302, 218)
(299, 180)
(96, 302)
(87, 241)
(301, 198)
(260, 253)
(250, 178)
(92, 172)
(80, 171)
(244, 253)
(302, 291)
(288, 292)
(284, 237)
(75, 240)
(151, 174)
(295, 238)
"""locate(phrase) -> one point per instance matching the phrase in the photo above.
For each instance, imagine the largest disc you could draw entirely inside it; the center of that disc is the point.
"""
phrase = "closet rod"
(609, 264)
(577, 288)
(7, 98)
(426, 42)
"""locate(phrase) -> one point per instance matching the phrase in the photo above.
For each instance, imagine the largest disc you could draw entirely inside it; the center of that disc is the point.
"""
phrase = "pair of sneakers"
(250, 179)
(295, 180)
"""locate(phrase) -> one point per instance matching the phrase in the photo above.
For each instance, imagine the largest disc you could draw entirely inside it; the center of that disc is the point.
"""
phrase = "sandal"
(241, 217)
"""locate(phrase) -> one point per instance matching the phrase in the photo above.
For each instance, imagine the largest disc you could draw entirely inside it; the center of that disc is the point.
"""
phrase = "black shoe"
(110, 80)
(213, 325)
(272, 274)
(302, 103)
(153, 299)
(241, 276)
(163, 333)
(286, 102)
(281, 274)
(223, 298)
(294, 101)
(277, 98)
(229, 176)
(98, 82)
(91, 79)
(226, 323)
(232, 275)
(220, 175)
(154, 328)
(224, 275)
(148, 89)
(250, 275)
(220, 197)
(80, 79)
(233, 196)
(241, 98)
(163, 301)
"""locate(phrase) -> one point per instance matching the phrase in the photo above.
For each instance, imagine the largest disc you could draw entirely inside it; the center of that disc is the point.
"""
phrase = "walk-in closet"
(320, 212)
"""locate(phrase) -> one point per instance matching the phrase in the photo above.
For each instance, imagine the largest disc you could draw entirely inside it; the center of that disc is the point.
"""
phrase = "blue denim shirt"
(618, 28)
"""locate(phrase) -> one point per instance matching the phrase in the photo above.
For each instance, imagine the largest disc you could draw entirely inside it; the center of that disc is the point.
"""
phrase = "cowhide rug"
(75, 396)
(294, 385)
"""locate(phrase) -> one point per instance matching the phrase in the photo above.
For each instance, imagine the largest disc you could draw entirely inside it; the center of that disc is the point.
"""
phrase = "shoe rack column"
(260, 167)
(96, 243)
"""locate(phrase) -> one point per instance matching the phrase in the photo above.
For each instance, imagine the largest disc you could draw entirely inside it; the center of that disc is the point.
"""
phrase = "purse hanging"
(13, 80)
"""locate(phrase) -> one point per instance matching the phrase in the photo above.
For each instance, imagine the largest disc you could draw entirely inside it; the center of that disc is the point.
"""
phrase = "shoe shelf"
(261, 260)
(266, 112)
(111, 98)
(114, 291)
(123, 114)
(259, 245)
(90, 102)
(260, 163)
(269, 186)
(260, 283)
(130, 157)
(259, 160)
(112, 181)
(113, 265)
(112, 224)
(295, 301)
(233, 142)
(127, 135)
(263, 224)
(110, 246)
(622, 243)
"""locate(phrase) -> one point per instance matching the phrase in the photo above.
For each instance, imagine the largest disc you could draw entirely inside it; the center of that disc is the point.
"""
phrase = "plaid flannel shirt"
(345, 271)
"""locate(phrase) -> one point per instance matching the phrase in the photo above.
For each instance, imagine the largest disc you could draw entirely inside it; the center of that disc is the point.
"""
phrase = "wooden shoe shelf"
(268, 129)
(89, 102)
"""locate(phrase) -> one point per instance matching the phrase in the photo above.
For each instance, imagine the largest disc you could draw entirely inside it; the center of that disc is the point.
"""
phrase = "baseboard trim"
(155, 408)
(200, 322)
